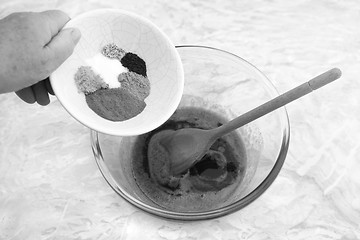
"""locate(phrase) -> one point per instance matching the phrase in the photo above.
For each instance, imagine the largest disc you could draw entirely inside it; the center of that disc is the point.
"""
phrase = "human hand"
(32, 46)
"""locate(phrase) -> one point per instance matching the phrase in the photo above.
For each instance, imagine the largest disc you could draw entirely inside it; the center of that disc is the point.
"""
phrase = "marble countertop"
(51, 188)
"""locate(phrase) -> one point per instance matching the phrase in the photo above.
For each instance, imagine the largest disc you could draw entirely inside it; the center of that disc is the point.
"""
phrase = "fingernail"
(75, 34)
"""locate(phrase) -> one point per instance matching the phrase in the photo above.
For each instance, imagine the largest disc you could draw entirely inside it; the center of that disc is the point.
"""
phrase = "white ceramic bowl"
(134, 34)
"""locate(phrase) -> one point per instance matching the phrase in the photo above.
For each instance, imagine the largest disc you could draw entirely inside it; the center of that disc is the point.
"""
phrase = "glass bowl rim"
(231, 208)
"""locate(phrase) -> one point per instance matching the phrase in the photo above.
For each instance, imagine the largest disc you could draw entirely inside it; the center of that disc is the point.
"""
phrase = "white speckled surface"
(50, 187)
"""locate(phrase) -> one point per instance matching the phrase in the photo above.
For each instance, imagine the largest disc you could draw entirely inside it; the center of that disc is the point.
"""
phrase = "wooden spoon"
(188, 145)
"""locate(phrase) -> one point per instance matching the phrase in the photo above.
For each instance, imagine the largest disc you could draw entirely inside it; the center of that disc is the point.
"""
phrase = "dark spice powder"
(134, 63)
(115, 104)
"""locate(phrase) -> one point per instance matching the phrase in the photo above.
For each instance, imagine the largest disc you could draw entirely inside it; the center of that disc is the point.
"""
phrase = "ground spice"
(136, 84)
(111, 50)
(87, 81)
(115, 104)
(134, 63)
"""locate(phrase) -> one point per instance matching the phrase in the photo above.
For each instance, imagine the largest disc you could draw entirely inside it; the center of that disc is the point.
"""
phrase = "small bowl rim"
(231, 208)
(177, 98)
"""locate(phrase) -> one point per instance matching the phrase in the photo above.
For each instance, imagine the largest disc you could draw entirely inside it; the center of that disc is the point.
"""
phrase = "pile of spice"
(117, 103)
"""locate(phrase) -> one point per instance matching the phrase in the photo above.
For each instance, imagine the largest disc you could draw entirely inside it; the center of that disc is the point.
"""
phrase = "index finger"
(56, 20)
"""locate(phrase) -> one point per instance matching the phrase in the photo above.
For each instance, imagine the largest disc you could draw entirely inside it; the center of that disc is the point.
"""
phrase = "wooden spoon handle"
(279, 101)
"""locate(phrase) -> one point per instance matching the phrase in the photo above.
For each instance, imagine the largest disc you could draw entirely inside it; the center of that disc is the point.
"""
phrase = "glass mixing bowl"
(227, 84)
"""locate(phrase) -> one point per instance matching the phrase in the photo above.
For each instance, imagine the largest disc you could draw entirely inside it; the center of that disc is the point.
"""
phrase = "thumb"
(62, 46)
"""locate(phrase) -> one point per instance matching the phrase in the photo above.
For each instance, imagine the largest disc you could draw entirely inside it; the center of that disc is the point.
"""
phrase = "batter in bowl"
(208, 184)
